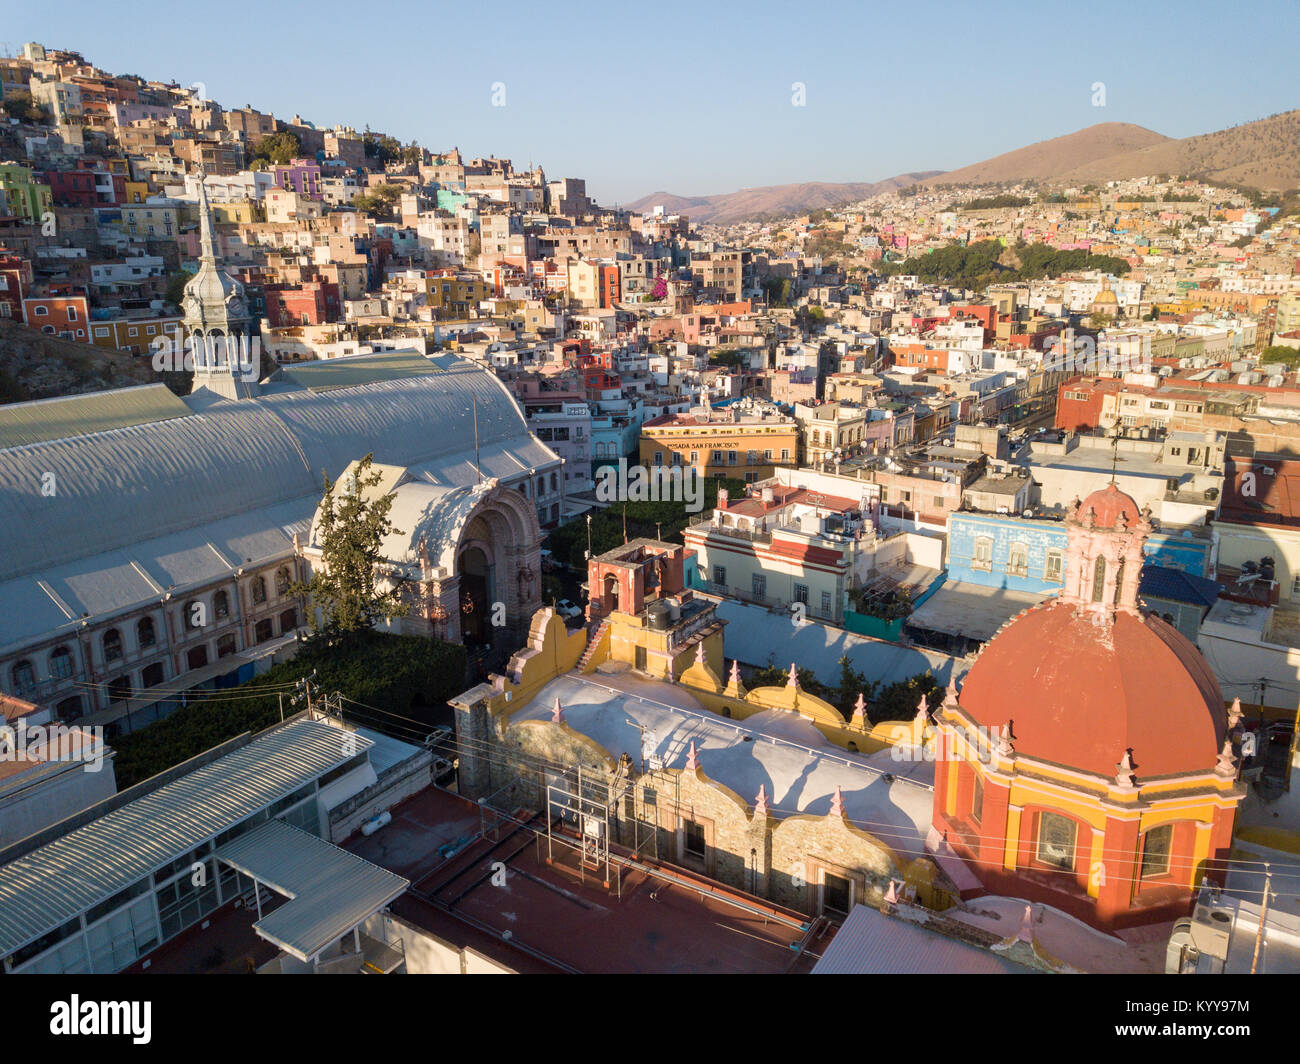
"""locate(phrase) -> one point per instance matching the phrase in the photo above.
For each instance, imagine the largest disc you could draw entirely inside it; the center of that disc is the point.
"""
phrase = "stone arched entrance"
(492, 560)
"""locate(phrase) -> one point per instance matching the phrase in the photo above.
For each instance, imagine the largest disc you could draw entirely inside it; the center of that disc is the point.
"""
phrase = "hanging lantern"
(467, 605)
(437, 612)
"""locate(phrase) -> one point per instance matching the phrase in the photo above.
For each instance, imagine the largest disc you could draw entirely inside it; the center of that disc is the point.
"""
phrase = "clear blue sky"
(695, 98)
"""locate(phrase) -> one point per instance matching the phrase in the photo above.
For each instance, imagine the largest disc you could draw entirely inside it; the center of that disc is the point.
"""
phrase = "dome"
(1081, 695)
(1107, 506)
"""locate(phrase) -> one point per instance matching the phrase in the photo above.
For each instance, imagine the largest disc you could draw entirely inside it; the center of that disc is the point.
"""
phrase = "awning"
(331, 891)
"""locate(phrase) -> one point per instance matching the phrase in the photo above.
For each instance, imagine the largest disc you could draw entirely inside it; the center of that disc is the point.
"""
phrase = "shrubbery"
(390, 672)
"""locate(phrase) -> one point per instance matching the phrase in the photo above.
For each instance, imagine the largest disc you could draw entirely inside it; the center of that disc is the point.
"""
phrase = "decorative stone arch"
(501, 528)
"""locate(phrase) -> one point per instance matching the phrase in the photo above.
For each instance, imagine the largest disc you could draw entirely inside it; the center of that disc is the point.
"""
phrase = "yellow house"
(749, 448)
(455, 293)
(133, 334)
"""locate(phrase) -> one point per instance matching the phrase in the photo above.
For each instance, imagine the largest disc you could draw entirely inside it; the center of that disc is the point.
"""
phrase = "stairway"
(593, 641)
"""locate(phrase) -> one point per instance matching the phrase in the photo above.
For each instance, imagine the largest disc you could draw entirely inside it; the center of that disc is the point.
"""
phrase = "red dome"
(1108, 505)
(1081, 695)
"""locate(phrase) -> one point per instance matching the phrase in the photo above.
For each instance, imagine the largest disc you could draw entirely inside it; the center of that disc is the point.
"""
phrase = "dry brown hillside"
(1048, 160)
(36, 366)
(771, 201)
(1263, 154)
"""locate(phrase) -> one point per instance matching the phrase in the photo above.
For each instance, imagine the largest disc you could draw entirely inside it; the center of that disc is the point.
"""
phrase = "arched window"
(1156, 845)
(282, 580)
(112, 645)
(144, 632)
(259, 590)
(221, 605)
(1098, 579)
(195, 614)
(24, 677)
(61, 663)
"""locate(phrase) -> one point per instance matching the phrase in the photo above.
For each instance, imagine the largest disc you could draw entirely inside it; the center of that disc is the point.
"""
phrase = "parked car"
(567, 609)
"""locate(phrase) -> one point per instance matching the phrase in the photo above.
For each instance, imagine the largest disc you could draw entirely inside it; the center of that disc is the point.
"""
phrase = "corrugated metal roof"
(331, 891)
(80, 415)
(870, 943)
(359, 369)
(129, 485)
(46, 888)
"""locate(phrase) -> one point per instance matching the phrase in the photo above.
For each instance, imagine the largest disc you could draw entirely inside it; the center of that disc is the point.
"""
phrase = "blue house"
(1028, 554)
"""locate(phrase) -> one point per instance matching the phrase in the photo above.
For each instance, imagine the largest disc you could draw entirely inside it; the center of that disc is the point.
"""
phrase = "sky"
(700, 98)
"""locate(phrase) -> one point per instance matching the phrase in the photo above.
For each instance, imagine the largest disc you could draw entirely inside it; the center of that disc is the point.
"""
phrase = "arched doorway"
(476, 595)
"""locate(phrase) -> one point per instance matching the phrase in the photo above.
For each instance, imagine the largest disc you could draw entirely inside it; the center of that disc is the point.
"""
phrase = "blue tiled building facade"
(1028, 554)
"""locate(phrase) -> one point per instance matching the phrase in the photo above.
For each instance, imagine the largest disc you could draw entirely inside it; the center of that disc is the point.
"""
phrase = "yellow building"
(456, 293)
(133, 334)
(748, 448)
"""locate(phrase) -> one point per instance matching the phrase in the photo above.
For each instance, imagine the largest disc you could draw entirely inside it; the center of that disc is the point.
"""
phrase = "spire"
(837, 802)
(692, 759)
(760, 803)
(793, 680)
(860, 711)
(207, 243)
(1227, 763)
(1234, 714)
(735, 672)
(557, 714)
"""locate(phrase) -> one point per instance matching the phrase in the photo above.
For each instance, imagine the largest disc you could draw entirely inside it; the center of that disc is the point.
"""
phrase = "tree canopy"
(343, 593)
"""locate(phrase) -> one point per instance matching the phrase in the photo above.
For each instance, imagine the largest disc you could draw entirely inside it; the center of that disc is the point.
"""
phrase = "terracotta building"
(1088, 762)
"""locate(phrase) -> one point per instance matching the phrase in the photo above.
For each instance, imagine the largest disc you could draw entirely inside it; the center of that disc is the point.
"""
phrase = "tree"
(19, 104)
(380, 202)
(278, 148)
(345, 599)
(176, 287)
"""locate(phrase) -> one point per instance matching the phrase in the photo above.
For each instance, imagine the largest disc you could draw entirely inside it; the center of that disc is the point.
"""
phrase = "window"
(198, 657)
(720, 575)
(982, 558)
(40, 312)
(282, 580)
(225, 646)
(152, 675)
(72, 314)
(1053, 568)
(112, 645)
(1098, 579)
(119, 689)
(263, 631)
(826, 603)
(144, 632)
(1018, 561)
(1056, 837)
(61, 663)
(259, 590)
(288, 621)
(837, 894)
(977, 799)
(785, 454)
(694, 838)
(1155, 851)
(758, 583)
(733, 457)
(24, 677)
(69, 708)
(801, 593)
(220, 605)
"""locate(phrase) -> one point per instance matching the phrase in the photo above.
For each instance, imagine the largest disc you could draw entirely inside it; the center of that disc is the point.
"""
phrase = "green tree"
(380, 202)
(278, 148)
(176, 287)
(343, 592)
(19, 104)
